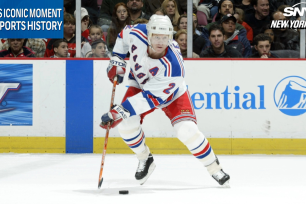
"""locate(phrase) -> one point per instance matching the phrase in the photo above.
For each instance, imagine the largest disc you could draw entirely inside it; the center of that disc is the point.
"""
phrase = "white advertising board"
(232, 99)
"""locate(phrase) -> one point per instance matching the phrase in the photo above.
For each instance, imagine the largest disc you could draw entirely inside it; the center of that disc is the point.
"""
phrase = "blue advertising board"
(16, 94)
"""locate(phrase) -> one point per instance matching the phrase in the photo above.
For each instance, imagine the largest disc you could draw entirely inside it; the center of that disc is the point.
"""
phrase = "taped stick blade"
(100, 183)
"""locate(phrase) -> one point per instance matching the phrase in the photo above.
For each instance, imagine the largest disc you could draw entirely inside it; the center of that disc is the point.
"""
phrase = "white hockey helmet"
(159, 25)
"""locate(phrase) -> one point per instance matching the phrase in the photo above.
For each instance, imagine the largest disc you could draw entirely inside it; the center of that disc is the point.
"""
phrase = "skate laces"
(219, 175)
(141, 165)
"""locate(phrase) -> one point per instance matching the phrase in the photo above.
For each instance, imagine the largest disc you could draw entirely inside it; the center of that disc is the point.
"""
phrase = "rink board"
(236, 103)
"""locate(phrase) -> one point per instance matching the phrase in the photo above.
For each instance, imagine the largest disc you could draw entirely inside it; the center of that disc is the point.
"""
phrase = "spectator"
(159, 12)
(224, 7)
(285, 39)
(95, 33)
(69, 36)
(38, 46)
(181, 6)
(182, 22)
(60, 49)
(181, 39)
(16, 49)
(218, 48)
(99, 49)
(261, 16)
(281, 8)
(152, 6)
(107, 7)
(135, 11)
(170, 9)
(68, 7)
(198, 41)
(234, 38)
(120, 19)
(239, 15)
(92, 8)
(209, 7)
(280, 5)
(246, 6)
(85, 23)
(262, 44)
(269, 32)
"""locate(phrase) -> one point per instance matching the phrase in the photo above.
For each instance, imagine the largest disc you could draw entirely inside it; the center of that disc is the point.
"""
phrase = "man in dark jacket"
(218, 48)
(262, 44)
(224, 7)
(235, 38)
(260, 18)
(17, 49)
(285, 39)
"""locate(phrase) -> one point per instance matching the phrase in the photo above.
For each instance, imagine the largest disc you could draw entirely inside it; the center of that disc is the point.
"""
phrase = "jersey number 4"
(167, 91)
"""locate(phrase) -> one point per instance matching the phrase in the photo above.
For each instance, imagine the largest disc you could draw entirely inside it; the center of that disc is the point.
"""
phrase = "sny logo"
(292, 24)
(4, 89)
(290, 95)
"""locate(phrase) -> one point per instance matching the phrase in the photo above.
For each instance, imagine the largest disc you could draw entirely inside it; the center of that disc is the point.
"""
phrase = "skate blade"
(226, 184)
(151, 169)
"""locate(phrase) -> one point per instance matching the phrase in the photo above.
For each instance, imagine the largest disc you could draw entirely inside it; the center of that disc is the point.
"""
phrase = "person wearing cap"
(233, 37)
(85, 23)
(224, 7)
(218, 49)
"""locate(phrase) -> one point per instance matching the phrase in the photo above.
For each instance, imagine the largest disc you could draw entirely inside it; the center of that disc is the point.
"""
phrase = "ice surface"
(73, 179)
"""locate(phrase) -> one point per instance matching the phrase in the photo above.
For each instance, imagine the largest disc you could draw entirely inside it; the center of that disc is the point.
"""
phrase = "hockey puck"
(124, 192)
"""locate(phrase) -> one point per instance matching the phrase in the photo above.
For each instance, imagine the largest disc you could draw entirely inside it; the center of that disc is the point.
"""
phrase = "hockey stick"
(106, 135)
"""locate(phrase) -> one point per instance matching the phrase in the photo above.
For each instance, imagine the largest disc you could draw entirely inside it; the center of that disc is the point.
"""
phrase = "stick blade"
(100, 183)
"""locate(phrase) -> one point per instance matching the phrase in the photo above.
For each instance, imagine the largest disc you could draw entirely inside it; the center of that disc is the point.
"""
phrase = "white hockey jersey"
(161, 80)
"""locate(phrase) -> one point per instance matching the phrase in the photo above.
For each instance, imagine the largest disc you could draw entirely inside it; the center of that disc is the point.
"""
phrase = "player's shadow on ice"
(112, 188)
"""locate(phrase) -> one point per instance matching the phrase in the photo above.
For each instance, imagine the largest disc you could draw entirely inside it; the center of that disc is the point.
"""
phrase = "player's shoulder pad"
(141, 27)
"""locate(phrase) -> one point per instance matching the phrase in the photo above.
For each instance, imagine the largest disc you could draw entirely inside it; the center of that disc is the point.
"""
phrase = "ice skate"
(222, 178)
(145, 169)
(218, 174)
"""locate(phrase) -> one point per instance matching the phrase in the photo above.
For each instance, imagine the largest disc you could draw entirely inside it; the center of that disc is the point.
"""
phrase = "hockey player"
(156, 80)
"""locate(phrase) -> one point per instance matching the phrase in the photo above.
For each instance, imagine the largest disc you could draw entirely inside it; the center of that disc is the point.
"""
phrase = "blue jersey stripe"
(160, 101)
(142, 28)
(120, 55)
(150, 102)
(176, 66)
(127, 105)
(139, 37)
(165, 65)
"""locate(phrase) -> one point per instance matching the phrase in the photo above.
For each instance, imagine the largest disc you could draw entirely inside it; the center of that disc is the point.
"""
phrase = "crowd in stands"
(221, 29)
